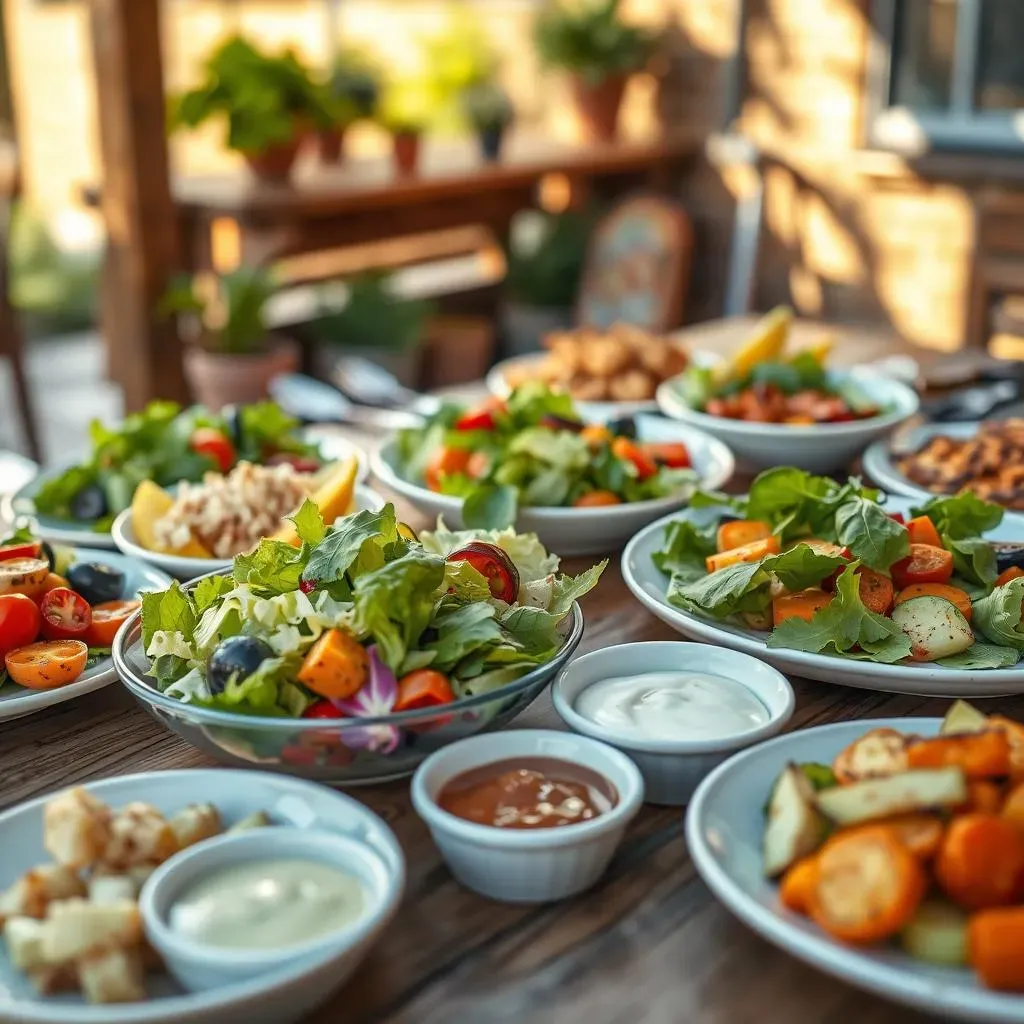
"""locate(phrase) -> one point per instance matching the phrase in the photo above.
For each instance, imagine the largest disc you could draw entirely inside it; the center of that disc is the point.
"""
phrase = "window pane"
(922, 53)
(1000, 61)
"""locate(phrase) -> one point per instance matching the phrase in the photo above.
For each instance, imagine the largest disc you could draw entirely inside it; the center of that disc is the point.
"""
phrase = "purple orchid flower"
(375, 698)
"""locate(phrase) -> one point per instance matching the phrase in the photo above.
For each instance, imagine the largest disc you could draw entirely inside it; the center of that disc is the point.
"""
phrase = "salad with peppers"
(362, 619)
(533, 449)
(823, 568)
(167, 444)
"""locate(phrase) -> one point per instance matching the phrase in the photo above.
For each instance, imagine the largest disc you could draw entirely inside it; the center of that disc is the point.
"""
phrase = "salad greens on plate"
(534, 450)
(823, 568)
(361, 620)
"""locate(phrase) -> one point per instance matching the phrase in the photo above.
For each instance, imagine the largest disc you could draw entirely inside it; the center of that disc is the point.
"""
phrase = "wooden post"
(143, 350)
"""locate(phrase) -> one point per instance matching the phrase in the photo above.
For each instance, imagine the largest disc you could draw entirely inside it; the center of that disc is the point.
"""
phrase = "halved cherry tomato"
(675, 455)
(215, 445)
(19, 621)
(594, 499)
(491, 562)
(322, 709)
(23, 576)
(897, 517)
(423, 688)
(483, 417)
(300, 463)
(876, 590)
(629, 451)
(926, 564)
(66, 615)
(922, 531)
(1013, 573)
(47, 665)
(445, 462)
(21, 549)
(106, 621)
(52, 582)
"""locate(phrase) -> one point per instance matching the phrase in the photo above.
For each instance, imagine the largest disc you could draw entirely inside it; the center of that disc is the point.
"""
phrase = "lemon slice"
(765, 344)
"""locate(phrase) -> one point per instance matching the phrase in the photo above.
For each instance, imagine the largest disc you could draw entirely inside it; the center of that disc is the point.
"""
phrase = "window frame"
(963, 128)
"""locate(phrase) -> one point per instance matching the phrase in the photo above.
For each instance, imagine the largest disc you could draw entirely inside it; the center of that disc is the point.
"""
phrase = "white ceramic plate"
(189, 568)
(279, 997)
(819, 448)
(724, 830)
(333, 446)
(649, 586)
(578, 531)
(597, 412)
(16, 701)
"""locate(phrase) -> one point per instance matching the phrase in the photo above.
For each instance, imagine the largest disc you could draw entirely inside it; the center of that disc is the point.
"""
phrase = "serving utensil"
(313, 401)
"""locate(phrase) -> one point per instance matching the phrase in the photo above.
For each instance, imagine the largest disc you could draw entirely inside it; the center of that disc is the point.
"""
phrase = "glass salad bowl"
(344, 752)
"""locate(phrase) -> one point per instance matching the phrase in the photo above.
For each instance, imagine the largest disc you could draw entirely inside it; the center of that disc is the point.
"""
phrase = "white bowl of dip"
(237, 906)
(677, 709)
(529, 865)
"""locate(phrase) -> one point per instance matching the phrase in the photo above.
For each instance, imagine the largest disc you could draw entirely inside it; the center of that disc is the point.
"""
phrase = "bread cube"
(112, 976)
(48, 981)
(75, 928)
(76, 828)
(23, 938)
(196, 822)
(139, 834)
(33, 892)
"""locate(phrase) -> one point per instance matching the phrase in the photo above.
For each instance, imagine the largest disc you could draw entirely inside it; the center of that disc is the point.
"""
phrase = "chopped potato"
(112, 976)
(76, 828)
(196, 822)
(139, 834)
(76, 927)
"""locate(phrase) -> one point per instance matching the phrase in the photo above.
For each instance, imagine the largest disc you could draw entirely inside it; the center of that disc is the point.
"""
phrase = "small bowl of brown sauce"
(528, 815)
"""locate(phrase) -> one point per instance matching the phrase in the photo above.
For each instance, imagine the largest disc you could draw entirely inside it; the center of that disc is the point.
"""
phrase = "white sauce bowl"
(672, 769)
(199, 966)
(527, 865)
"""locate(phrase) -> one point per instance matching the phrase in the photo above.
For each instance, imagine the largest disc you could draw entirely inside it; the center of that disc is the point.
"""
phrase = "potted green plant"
(353, 86)
(405, 113)
(232, 356)
(366, 317)
(489, 110)
(590, 40)
(269, 101)
(545, 259)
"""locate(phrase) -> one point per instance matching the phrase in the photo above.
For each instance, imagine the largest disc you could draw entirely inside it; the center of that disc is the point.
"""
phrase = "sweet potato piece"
(981, 755)
(980, 862)
(747, 553)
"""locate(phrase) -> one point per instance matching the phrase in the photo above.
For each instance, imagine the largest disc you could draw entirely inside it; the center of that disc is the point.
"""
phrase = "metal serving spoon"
(313, 401)
(365, 383)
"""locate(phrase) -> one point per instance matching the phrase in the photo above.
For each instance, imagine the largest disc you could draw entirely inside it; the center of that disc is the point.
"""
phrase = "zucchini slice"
(919, 790)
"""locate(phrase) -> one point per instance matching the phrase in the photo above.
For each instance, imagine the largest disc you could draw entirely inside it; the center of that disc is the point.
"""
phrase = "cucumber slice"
(937, 933)
(935, 626)
(918, 790)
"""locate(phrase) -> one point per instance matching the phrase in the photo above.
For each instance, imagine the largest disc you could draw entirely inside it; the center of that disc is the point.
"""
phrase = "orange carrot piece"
(1015, 734)
(797, 885)
(876, 590)
(799, 606)
(747, 553)
(922, 531)
(995, 947)
(868, 887)
(1013, 573)
(740, 532)
(983, 797)
(336, 666)
(980, 861)
(981, 755)
(954, 595)
(1013, 808)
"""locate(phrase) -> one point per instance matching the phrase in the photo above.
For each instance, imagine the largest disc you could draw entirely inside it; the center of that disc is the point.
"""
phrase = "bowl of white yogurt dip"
(677, 709)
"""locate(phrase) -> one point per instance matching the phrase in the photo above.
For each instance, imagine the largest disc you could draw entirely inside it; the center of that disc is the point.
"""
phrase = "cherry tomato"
(897, 517)
(21, 549)
(322, 709)
(107, 619)
(23, 576)
(66, 615)
(19, 621)
(300, 463)
(492, 562)
(423, 688)
(627, 450)
(594, 499)
(482, 417)
(675, 455)
(926, 564)
(47, 666)
(445, 462)
(52, 582)
(212, 443)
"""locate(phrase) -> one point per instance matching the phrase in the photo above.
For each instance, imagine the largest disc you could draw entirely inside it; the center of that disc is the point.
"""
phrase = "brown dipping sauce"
(537, 792)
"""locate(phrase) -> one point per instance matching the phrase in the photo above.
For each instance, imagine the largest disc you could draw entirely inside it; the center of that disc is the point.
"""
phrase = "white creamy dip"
(672, 706)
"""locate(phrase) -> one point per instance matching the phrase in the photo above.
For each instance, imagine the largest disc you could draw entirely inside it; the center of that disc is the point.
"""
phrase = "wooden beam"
(144, 351)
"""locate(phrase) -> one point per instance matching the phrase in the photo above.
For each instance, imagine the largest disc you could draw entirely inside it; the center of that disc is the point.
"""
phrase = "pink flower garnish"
(374, 699)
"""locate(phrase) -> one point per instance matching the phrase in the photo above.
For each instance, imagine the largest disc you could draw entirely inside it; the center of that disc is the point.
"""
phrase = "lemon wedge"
(765, 344)
(151, 503)
(333, 496)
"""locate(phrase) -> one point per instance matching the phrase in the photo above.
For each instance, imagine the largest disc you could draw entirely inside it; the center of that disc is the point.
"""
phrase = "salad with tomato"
(533, 449)
(823, 568)
(167, 444)
(363, 619)
(58, 614)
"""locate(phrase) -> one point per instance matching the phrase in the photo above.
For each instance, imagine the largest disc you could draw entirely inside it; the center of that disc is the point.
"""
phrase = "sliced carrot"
(797, 885)
(445, 462)
(336, 666)
(922, 531)
(423, 688)
(868, 886)
(926, 563)
(981, 755)
(980, 861)
(595, 499)
(1015, 734)
(949, 593)
(983, 797)
(876, 590)
(741, 532)
(803, 605)
(995, 947)
(747, 553)
(1013, 573)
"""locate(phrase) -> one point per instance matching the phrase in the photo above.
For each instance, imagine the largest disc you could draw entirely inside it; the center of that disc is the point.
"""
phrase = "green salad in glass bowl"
(353, 655)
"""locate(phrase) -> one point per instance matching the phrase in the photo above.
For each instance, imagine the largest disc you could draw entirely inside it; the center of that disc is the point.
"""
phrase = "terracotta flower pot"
(406, 152)
(330, 145)
(274, 164)
(599, 104)
(217, 379)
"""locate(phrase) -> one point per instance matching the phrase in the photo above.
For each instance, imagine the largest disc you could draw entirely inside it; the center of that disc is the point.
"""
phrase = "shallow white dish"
(527, 865)
(599, 412)
(279, 996)
(818, 448)
(673, 768)
(16, 701)
(649, 585)
(578, 531)
(189, 568)
(334, 447)
(724, 830)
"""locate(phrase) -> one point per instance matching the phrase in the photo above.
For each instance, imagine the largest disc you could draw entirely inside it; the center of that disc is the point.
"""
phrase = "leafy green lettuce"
(998, 616)
(961, 519)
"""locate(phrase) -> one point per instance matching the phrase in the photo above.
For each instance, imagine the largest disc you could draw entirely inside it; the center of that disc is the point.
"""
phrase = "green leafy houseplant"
(373, 316)
(269, 101)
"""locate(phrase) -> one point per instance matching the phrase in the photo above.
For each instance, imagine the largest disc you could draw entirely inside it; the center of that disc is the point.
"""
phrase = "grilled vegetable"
(995, 947)
(980, 861)
(797, 885)
(871, 800)
(876, 754)
(937, 934)
(748, 553)
(336, 666)
(935, 627)
(954, 595)
(737, 533)
(981, 755)
(794, 827)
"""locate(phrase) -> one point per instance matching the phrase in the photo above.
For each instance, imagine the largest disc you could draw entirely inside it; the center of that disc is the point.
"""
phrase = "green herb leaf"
(874, 538)
(357, 545)
(982, 656)
(309, 523)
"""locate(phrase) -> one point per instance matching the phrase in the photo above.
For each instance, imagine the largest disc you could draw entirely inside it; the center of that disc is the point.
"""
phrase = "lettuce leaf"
(863, 526)
(274, 567)
(998, 616)
(534, 631)
(167, 611)
(566, 590)
(357, 545)
(684, 551)
(462, 631)
(981, 656)
(490, 506)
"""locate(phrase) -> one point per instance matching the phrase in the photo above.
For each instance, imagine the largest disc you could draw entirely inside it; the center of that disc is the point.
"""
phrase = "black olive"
(561, 423)
(89, 503)
(237, 657)
(51, 558)
(625, 426)
(429, 636)
(96, 582)
(1009, 554)
(233, 417)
